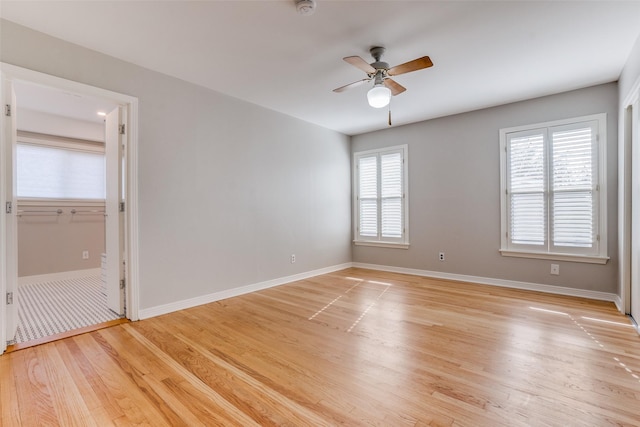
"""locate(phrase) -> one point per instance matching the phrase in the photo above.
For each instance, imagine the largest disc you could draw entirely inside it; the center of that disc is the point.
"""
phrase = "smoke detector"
(306, 7)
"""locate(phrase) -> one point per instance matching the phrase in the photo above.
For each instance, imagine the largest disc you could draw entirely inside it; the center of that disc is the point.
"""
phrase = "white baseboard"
(634, 324)
(64, 275)
(229, 293)
(618, 302)
(558, 290)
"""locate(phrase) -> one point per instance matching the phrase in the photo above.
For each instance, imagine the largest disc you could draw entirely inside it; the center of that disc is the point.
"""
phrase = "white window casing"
(553, 192)
(380, 197)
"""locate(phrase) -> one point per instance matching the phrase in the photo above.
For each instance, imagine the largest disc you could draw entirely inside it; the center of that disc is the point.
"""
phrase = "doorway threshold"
(63, 335)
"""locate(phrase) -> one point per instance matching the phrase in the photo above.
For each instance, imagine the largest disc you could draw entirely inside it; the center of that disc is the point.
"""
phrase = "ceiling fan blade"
(350, 85)
(395, 87)
(407, 67)
(358, 62)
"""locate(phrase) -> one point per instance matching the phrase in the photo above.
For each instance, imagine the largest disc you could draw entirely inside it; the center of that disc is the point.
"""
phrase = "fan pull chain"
(389, 112)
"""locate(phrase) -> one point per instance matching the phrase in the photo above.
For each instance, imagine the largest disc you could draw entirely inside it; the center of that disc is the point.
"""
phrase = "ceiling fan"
(383, 86)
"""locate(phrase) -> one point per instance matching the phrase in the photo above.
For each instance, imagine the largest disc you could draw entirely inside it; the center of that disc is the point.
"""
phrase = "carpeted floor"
(60, 306)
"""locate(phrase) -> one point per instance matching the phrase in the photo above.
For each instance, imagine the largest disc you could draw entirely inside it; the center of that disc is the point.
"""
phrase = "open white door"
(114, 230)
(8, 224)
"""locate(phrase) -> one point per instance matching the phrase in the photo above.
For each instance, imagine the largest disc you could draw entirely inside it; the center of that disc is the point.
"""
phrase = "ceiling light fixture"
(306, 7)
(379, 96)
(102, 113)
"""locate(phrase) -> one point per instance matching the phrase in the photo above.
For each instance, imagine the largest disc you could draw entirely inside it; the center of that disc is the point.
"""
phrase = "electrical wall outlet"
(85, 254)
(555, 269)
(441, 256)
(293, 258)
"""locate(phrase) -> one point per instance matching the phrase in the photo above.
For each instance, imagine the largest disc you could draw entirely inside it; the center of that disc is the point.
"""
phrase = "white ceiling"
(485, 53)
(60, 103)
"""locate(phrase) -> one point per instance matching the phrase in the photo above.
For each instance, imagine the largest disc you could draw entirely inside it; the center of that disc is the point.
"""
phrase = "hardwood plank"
(298, 414)
(128, 370)
(9, 399)
(34, 397)
(100, 400)
(192, 379)
(66, 398)
(354, 347)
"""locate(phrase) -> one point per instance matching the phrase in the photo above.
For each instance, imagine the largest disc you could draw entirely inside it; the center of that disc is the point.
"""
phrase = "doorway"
(61, 220)
(107, 255)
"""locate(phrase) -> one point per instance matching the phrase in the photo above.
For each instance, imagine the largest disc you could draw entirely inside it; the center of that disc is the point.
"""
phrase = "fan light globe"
(379, 96)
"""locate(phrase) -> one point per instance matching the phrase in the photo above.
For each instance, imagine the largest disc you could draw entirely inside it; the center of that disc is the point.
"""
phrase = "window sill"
(381, 244)
(590, 259)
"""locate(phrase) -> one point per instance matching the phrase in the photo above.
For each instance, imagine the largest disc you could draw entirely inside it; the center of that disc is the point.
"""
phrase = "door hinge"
(8, 207)
(121, 129)
(9, 298)
(122, 283)
(7, 110)
(121, 207)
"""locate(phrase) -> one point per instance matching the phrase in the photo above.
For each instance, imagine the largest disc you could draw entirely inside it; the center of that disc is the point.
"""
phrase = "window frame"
(597, 255)
(379, 240)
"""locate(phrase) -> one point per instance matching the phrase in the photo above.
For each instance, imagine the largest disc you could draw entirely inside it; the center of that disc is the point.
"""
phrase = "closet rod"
(90, 211)
(39, 213)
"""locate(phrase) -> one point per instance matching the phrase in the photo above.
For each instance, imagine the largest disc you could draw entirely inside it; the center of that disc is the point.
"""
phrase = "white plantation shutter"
(380, 196)
(552, 178)
(368, 200)
(391, 194)
(572, 189)
(528, 212)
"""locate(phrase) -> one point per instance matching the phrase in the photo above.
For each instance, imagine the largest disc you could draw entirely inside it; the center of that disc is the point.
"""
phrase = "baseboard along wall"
(550, 289)
(229, 293)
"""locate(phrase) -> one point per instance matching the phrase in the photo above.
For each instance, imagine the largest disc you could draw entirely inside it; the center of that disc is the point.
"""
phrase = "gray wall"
(454, 197)
(227, 190)
(54, 243)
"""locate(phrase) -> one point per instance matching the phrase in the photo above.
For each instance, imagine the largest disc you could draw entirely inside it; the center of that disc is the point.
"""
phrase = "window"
(380, 202)
(553, 193)
(59, 170)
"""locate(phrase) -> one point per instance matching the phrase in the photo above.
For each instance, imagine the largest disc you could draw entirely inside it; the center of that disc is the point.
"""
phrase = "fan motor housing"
(380, 65)
(377, 52)
(306, 7)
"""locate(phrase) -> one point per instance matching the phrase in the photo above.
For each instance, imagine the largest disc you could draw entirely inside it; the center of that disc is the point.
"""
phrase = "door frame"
(131, 246)
(628, 161)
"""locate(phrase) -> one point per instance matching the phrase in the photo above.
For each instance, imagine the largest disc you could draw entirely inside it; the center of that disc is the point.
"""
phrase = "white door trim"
(15, 73)
(626, 164)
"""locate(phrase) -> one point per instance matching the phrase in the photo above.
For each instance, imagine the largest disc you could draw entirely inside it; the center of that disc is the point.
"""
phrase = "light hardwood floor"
(355, 347)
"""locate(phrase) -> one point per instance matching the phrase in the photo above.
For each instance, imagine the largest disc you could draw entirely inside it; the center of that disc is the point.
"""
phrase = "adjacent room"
(308, 212)
(60, 181)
